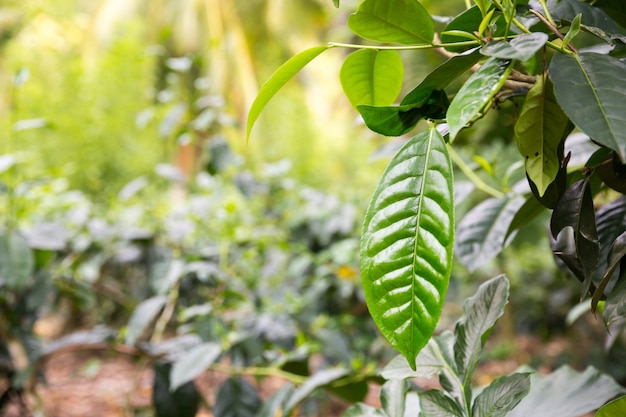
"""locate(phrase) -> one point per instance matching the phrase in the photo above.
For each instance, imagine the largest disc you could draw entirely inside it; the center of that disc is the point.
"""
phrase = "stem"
(400, 48)
(557, 32)
(544, 6)
(479, 183)
(164, 318)
(259, 371)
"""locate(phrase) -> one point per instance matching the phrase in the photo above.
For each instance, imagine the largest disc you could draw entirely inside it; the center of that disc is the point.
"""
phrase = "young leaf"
(501, 396)
(614, 408)
(468, 21)
(521, 48)
(236, 398)
(539, 131)
(481, 313)
(193, 363)
(476, 94)
(372, 77)
(407, 241)
(567, 393)
(278, 80)
(393, 397)
(399, 21)
(482, 233)
(591, 89)
(436, 403)
(17, 262)
(142, 316)
(573, 30)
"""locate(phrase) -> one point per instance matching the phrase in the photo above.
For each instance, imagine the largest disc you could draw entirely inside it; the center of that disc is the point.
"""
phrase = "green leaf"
(336, 3)
(501, 396)
(527, 213)
(521, 48)
(182, 402)
(273, 406)
(363, 410)
(399, 21)
(591, 89)
(318, 380)
(482, 310)
(567, 10)
(615, 408)
(372, 77)
(17, 263)
(539, 130)
(393, 397)
(142, 316)
(476, 94)
(278, 80)
(193, 363)
(615, 257)
(436, 403)
(468, 21)
(573, 30)
(482, 233)
(407, 241)
(567, 393)
(236, 398)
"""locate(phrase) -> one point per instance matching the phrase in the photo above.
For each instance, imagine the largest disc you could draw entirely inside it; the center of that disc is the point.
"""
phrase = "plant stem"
(557, 32)
(259, 371)
(544, 6)
(401, 47)
(479, 183)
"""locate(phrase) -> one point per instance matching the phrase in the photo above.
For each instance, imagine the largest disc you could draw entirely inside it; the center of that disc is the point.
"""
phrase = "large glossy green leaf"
(399, 21)
(591, 89)
(614, 408)
(372, 77)
(501, 396)
(17, 262)
(567, 393)
(193, 363)
(283, 74)
(436, 403)
(539, 130)
(482, 310)
(407, 242)
(475, 96)
(236, 398)
(142, 316)
(483, 232)
(521, 48)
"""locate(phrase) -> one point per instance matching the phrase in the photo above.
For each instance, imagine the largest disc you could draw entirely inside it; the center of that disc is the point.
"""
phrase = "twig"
(553, 28)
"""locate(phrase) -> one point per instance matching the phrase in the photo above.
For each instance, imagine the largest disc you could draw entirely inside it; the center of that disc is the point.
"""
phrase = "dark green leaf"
(521, 48)
(236, 398)
(613, 409)
(183, 402)
(567, 10)
(482, 310)
(193, 363)
(501, 396)
(482, 233)
(566, 393)
(615, 306)
(318, 380)
(591, 89)
(476, 94)
(436, 403)
(17, 263)
(539, 131)
(352, 392)
(468, 21)
(372, 77)
(399, 21)
(278, 80)
(393, 397)
(363, 410)
(142, 316)
(407, 241)
(615, 259)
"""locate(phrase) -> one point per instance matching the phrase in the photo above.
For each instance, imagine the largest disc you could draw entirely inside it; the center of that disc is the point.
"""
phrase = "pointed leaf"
(539, 131)
(521, 48)
(318, 380)
(17, 263)
(436, 403)
(501, 396)
(278, 80)
(566, 393)
(476, 94)
(591, 89)
(393, 397)
(363, 410)
(372, 77)
(482, 233)
(236, 398)
(615, 259)
(142, 316)
(481, 313)
(407, 241)
(399, 21)
(573, 30)
(614, 408)
(193, 363)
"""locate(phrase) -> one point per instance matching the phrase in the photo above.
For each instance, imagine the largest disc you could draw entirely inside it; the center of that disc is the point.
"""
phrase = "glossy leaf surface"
(521, 48)
(591, 89)
(476, 94)
(193, 363)
(278, 80)
(398, 21)
(566, 393)
(372, 77)
(614, 408)
(482, 310)
(407, 242)
(501, 396)
(539, 130)
(483, 232)
(236, 398)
